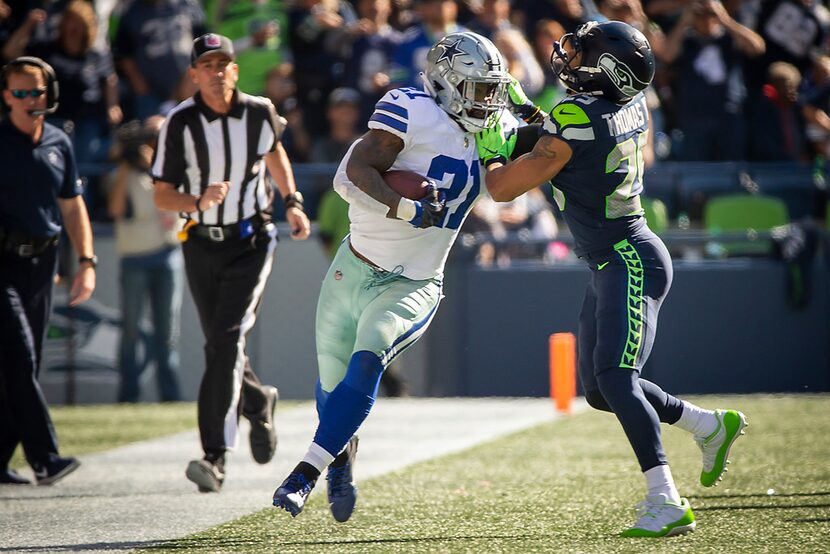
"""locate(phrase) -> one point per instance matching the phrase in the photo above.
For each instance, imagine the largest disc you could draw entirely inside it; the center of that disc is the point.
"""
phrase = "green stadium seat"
(743, 212)
(656, 214)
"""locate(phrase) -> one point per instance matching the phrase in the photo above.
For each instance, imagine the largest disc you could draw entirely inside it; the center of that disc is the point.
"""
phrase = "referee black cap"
(209, 43)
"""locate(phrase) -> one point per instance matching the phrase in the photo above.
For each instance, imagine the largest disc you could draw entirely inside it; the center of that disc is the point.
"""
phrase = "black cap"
(209, 43)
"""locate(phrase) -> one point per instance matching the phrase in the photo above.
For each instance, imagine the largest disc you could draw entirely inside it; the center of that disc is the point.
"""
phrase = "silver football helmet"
(467, 77)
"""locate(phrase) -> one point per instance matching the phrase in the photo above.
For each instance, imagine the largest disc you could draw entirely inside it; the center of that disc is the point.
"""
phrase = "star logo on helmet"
(450, 52)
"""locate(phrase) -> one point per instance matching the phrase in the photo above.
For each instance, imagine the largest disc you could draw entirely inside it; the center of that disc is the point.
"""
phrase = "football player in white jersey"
(383, 287)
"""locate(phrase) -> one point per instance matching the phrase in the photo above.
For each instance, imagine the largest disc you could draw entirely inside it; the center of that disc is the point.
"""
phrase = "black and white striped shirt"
(197, 146)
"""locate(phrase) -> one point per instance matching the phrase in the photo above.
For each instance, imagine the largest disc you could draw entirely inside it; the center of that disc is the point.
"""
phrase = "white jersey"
(434, 146)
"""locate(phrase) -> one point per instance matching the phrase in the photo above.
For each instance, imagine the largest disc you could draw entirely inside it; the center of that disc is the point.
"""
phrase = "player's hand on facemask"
(521, 105)
(493, 146)
(430, 210)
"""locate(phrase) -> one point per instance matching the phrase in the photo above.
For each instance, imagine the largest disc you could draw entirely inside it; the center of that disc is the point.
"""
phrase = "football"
(407, 183)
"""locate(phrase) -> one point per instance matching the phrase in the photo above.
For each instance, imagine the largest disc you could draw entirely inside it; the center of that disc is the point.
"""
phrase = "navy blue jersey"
(34, 177)
(599, 188)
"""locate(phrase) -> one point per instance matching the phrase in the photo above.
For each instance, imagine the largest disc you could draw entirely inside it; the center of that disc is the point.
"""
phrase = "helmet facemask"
(609, 59)
(467, 77)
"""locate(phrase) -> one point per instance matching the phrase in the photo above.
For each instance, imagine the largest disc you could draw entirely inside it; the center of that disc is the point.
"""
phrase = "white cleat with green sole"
(716, 447)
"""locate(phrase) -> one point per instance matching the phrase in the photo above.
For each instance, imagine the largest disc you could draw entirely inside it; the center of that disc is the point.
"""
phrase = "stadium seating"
(656, 214)
(744, 212)
(791, 183)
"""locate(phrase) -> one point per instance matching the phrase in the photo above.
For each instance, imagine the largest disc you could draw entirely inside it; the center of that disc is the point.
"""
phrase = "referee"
(210, 165)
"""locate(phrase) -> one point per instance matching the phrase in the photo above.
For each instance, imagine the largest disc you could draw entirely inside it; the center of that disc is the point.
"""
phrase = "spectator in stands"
(52, 10)
(369, 67)
(546, 32)
(315, 36)
(631, 12)
(437, 18)
(89, 86)
(816, 107)
(521, 63)
(152, 48)
(792, 31)
(494, 16)
(150, 265)
(708, 45)
(528, 218)
(569, 13)
(777, 132)
(254, 28)
(343, 114)
(281, 89)
(14, 16)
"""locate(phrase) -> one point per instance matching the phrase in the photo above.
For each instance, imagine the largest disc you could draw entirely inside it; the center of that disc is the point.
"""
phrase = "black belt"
(221, 233)
(26, 246)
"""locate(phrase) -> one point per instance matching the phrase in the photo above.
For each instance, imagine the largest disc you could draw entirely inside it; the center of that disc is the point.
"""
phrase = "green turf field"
(570, 486)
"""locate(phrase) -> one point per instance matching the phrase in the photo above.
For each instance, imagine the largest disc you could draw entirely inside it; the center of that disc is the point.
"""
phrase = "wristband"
(294, 200)
(407, 209)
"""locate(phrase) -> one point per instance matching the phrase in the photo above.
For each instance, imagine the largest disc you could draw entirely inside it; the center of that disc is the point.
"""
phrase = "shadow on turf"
(132, 545)
(759, 507)
(758, 495)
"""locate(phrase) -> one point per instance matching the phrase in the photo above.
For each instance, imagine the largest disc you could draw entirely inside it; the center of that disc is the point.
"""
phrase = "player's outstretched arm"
(371, 157)
(543, 163)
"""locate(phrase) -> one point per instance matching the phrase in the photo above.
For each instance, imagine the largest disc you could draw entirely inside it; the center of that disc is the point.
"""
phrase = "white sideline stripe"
(137, 495)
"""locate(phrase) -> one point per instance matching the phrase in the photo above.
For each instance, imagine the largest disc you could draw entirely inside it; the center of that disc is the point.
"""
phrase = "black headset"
(52, 89)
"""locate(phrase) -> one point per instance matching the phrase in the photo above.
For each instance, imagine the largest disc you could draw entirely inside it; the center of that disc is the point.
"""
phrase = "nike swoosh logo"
(600, 266)
(393, 95)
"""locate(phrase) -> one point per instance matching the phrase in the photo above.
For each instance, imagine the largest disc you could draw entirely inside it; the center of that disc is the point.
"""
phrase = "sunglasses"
(23, 93)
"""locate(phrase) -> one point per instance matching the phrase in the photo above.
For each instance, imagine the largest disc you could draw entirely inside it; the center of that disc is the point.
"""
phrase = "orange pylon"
(562, 362)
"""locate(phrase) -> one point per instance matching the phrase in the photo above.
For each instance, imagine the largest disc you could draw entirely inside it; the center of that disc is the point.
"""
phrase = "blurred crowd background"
(739, 83)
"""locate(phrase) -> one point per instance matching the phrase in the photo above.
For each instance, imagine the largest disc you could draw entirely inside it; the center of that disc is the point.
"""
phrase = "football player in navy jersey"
(591, 147)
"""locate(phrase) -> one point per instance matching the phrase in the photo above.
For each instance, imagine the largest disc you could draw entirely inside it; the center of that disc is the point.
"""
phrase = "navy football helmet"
(617, 62)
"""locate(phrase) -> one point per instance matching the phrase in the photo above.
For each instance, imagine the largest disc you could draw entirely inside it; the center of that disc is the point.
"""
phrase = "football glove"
(521, 105)
(429, 210)
(493, 146)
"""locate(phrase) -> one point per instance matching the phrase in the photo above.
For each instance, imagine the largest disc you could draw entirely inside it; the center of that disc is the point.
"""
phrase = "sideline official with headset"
(40, 192)
(210, 165)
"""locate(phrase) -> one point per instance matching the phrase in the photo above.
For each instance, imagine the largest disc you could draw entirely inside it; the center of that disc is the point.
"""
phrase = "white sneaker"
(716, 446)
(657, 516)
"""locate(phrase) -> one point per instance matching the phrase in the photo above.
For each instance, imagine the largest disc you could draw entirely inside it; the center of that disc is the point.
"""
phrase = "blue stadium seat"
(792, 183)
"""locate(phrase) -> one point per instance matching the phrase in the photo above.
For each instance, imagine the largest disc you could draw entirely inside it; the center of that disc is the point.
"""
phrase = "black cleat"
(208, 474)
(263, 433)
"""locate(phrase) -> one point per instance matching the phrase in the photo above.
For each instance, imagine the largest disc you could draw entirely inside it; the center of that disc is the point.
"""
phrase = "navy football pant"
(617, 327)
(25, 302)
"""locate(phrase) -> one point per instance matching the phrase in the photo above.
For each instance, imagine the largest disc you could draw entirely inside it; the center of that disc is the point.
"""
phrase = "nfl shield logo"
(338, 275)
(213, 41)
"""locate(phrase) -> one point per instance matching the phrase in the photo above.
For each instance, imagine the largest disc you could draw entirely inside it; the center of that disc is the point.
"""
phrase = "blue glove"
(429, 210)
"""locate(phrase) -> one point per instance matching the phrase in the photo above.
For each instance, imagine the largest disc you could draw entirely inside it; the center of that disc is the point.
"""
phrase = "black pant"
(25, 302)
(227, 281)
(617, 327)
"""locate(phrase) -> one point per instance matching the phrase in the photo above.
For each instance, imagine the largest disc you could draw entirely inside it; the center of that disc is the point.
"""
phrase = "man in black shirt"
(39, 193)
(210, 165)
